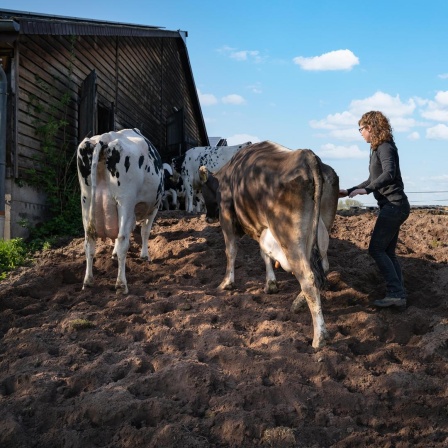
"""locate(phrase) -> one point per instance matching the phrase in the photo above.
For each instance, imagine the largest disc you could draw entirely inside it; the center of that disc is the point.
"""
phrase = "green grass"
(13, 253)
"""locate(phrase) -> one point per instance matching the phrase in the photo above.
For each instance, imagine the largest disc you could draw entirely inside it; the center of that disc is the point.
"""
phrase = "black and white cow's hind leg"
(145, 231)
(126, 222)
(89, 248)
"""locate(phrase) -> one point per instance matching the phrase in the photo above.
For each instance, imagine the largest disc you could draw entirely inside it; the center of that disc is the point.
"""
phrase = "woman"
(387, 186)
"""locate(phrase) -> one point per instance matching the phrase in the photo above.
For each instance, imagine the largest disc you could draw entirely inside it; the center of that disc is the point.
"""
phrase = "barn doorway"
(96, 116)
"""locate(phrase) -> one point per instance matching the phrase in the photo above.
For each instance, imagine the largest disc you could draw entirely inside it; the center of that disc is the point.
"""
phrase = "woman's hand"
(356, 192)
(343, 193)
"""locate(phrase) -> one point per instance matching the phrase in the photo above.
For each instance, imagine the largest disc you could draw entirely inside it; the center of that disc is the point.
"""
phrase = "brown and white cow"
(286, 200)
(121, 179)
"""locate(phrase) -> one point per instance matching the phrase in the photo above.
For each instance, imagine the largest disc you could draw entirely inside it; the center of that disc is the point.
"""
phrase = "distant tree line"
(345, 204)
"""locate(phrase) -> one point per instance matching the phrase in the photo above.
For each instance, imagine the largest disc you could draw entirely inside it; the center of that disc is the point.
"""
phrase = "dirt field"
(179, 364)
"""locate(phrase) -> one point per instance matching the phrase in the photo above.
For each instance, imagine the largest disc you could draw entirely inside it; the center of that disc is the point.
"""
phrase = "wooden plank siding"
(143, 77)
(116, 76)
(47, 61)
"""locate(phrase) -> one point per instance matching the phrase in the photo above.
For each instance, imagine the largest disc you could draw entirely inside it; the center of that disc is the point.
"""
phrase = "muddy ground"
(177, 363)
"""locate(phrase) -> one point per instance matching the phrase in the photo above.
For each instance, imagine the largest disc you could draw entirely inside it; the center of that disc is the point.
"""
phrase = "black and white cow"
(286, 200)
(187, 165)
(170, 197)
(121, 179)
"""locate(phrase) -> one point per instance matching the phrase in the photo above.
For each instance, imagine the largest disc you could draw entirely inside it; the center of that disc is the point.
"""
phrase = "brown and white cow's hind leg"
(301, 267)
(271, 286)
(312, 296)
(231, 250)
(323, 241)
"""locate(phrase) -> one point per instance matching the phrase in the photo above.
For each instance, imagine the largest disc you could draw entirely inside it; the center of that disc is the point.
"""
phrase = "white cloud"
(344, 125)
(402, 124)
(334, 60)
(436, 114)
(442, 178)
(321, 124)
(207, 99)
(331, 151)
(244, 55)
(437, 110)
(391, 106)
(442, 98)
(209, 120)
(421, 102)
(233, 99)
(255, 88)
(414, 136)
(342, 119)
(438, 132)
(241, 138)
(225, 49)
(443, 76)
(348, 134)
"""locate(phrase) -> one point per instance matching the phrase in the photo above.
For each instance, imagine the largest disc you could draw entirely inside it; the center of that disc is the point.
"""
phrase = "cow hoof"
(298, 304)
(319, 343)
(121, 290)
(227, 286)
(88, 282)
(271, 287)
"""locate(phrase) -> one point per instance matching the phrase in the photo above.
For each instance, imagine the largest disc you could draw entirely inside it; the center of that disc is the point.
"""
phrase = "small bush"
(13, 253)
(345, 204)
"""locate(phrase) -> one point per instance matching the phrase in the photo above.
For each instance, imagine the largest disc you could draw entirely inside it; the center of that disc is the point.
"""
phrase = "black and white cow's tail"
(316, 259)
(91, 228)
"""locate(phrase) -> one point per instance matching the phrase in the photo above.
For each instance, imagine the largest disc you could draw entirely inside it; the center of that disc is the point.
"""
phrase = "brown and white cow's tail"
(316, 259)
(91, 228)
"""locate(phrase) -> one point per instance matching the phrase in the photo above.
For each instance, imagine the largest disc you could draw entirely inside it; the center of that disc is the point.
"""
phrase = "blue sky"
(302, 73)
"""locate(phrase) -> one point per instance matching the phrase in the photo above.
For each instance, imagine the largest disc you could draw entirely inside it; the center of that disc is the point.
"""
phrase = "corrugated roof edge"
(36, 23)
(36, 16)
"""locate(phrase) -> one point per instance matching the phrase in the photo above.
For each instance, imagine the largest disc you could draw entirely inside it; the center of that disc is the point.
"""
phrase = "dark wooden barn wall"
(143, 77)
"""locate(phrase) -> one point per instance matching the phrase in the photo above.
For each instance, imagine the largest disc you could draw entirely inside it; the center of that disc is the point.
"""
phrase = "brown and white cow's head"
(210, 192)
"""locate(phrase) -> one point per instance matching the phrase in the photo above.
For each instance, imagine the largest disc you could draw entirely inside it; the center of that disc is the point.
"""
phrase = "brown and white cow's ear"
(203, 174)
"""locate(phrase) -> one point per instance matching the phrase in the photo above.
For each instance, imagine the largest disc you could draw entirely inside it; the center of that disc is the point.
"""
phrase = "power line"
(438, 200)
(420, 192)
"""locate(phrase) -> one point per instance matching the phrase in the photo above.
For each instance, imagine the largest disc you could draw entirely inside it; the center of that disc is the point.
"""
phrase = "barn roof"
(35, 23)
(13, 23)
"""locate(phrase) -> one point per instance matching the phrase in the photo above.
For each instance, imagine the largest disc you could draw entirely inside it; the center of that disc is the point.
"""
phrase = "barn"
(65, 78)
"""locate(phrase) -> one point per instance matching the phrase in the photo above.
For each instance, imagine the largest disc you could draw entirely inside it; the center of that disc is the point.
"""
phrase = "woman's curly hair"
(380, 128)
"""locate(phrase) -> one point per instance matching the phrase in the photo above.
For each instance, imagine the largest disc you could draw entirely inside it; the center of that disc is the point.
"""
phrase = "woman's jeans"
(383, 243)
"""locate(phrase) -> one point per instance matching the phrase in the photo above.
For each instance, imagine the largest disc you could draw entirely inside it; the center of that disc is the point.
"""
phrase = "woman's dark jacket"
(385, 177)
